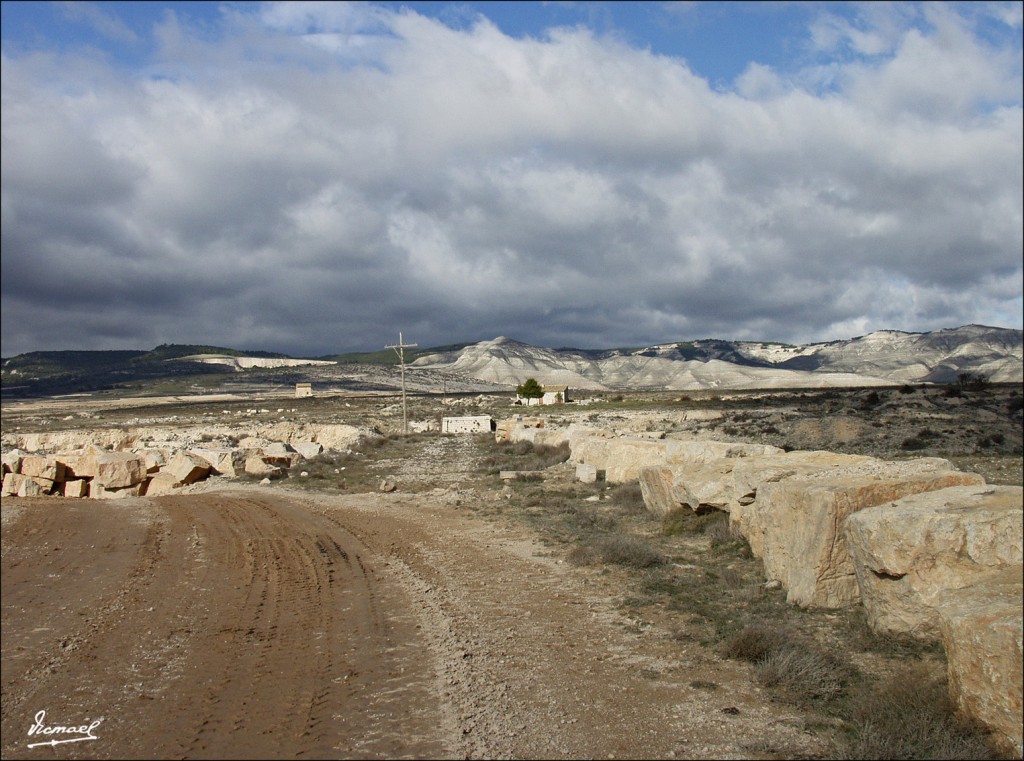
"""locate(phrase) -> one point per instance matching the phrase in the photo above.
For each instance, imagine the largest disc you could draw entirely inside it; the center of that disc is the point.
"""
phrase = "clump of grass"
(755, 642)
(908, 715)
(628, 498)
(624, 550)
(796, 667)
(523, 455)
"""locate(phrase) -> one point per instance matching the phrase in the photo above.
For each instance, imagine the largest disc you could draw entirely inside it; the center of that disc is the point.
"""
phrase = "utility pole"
(400, 348)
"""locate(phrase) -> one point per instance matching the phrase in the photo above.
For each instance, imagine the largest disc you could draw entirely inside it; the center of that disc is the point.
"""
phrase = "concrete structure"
(469, 424)
(303, 390)
(552, 395)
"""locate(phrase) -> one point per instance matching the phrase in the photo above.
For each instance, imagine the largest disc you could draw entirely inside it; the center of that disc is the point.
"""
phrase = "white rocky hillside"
(880, 358)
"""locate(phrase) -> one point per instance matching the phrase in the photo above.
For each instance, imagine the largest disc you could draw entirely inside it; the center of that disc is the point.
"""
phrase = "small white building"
(468, 424)
(552, 395)
(303, 390)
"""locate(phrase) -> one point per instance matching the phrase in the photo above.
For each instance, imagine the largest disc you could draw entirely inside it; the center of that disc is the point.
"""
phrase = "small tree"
(530, 389)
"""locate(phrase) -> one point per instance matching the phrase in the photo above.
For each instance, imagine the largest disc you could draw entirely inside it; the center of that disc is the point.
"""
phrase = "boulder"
(751, 473)
(981, 629)
(161, 483)
(186, 468)
(588, 474)
(111, 470)
(12, 460)
(19, 485)
(909, 553)
(76, 487)
(308, 449)
(278, 453)
(155, 459)
(255, 466)
(725, 476)
(656, 484)
(223, 462)
(99, 491)
(42, 466)
(802, 521)
(622, 458)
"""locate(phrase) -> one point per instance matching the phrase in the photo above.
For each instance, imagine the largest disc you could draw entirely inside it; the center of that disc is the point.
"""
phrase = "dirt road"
(250, 623)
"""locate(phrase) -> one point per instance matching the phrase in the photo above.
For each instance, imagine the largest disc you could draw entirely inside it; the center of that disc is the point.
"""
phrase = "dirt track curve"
(258, 623)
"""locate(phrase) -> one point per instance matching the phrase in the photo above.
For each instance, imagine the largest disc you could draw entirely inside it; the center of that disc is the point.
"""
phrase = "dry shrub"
(755, 642)
(631, 551)
(629, 498)
(802, 673)
(909, 715)
(797, 668)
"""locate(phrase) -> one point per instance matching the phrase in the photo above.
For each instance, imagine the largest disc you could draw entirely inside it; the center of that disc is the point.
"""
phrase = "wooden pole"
(400, 348)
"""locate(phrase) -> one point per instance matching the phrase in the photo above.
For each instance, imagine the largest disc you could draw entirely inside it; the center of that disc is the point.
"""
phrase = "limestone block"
(278, 453)
(99, 491)
(255, 466)
(19, 485)
(699, 452)
(161, 483)
(111, 470)
(802, 519)
(587, 474)
(12, 460)
(155, 459)
(308, 449)
(187, 468)
(620, 458)
(70, 461)
(908, 554)
(76, 487)
(750, 473)
(42, 466)
(981, 629)
(656, 487)
(224, 461)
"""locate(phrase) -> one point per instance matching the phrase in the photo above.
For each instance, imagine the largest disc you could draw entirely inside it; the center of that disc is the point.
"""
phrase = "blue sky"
(314, 177)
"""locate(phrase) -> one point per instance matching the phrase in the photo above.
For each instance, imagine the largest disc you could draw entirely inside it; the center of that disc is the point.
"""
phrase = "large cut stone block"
(186, 468)
(802, 519)
(111, 470)
(982, 630)
(909, 553)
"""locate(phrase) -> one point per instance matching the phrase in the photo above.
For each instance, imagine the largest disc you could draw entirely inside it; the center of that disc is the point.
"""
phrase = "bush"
(629, 498)
(800, 670)
(631, 551)
(908, 715)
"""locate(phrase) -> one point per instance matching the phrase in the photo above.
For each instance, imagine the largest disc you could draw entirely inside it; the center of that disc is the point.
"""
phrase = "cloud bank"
(313, 179)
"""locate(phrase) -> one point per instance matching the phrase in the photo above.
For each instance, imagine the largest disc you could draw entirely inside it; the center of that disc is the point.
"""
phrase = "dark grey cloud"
(320, 178)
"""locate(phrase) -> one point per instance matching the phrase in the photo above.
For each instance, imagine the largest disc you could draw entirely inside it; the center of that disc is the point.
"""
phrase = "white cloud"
(329, 174)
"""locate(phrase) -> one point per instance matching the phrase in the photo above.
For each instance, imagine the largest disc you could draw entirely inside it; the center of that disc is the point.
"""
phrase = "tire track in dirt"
(228, 627)
(536, 662)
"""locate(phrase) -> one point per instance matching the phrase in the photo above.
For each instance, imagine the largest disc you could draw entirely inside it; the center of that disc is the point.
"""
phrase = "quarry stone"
(982, 629)
(111, 470)
(802, 519)
(909, 554)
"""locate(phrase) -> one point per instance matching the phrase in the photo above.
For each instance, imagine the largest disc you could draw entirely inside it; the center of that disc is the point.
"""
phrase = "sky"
(316, 178)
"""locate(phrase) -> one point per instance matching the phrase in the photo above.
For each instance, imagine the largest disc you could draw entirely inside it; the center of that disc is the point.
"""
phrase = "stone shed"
(468, 424)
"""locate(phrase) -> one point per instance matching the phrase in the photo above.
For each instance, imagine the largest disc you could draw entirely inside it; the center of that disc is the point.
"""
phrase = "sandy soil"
(249, 623)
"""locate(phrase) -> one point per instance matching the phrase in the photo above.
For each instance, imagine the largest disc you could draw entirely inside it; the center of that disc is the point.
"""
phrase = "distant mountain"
(881, 358)
(885, 357)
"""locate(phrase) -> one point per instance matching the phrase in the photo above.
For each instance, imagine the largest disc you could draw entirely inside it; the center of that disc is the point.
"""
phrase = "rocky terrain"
(452, 615)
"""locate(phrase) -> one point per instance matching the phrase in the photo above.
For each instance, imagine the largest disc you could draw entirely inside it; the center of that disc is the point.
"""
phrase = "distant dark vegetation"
(46, 373)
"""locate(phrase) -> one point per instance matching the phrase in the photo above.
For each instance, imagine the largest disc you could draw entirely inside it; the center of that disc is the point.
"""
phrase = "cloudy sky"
(313, 178)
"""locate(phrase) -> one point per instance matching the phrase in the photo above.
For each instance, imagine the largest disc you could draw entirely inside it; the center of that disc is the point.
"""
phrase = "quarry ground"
(318, 617)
